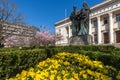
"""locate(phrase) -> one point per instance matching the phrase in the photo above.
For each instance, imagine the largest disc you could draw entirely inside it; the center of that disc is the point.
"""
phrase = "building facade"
(104, 24)
(9, 29)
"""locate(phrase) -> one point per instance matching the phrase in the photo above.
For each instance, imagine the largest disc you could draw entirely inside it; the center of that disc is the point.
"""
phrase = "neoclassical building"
(104, 25)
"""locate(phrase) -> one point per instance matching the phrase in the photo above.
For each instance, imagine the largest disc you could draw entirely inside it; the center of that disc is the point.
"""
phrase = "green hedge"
(106, 58)
(90, 48)
(109, 55)
(8, 49)
(13, 62)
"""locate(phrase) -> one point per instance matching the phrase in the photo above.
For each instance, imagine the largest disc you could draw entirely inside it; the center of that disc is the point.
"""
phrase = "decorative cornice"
(97, 9)
(100, 4)
(62, 21)
(62, 25)
(114, 4)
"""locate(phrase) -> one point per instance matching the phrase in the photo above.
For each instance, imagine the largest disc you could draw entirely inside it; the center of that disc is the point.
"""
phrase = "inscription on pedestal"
(81, 40)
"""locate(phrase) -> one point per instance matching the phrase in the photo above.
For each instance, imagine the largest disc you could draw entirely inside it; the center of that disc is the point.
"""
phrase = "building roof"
(92, 8)
(62, 21)
(100, 4)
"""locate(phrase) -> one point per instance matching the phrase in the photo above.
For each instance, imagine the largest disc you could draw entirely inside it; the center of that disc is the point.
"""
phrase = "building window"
(19, 30)
(67, 29)
(117, 17)
(105, 20)
(117, 36)
(70, 26)
(95, 38)
(60, 31)
(0, 25)
(34, 30)
(95, 23)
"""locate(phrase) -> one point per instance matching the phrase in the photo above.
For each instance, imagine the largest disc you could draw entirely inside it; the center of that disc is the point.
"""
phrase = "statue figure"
(84, 19)
(73, 18)
(80, 26)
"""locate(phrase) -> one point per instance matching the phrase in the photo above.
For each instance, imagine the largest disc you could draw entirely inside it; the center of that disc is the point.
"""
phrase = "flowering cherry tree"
(44, 38)
(14, 41)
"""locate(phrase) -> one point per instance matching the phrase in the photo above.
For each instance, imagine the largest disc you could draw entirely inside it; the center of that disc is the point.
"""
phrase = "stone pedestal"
(81, 40)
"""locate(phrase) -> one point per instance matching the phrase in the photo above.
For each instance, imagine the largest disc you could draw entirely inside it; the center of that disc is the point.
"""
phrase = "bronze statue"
(73, 18)
(80, 26)
(80, 21)
(84, 20)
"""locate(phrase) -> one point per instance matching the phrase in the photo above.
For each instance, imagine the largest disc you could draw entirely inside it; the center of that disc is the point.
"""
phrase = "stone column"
(111, 41)
(90, 32)
(69, 31)
(90, 27)
(69, 35)
(99, 30)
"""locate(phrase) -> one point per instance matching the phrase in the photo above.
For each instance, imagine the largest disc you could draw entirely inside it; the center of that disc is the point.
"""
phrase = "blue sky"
(47, 12)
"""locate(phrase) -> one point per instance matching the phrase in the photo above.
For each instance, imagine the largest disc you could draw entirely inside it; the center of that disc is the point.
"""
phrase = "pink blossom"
(44, 38)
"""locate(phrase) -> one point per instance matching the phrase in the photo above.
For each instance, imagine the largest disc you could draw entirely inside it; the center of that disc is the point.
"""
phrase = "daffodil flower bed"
(67, 66)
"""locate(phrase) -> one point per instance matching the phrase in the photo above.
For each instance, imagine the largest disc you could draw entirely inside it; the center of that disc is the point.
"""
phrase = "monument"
(80, 26)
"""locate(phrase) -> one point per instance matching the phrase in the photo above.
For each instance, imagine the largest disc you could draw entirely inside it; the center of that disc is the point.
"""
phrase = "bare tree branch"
(8, 14)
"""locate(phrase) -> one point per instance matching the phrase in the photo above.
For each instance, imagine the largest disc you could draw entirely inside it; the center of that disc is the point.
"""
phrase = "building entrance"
(106, 38)
(117, 36)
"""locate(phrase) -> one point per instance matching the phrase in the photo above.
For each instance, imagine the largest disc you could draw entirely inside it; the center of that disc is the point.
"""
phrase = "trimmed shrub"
(109, 55)
(67, 66)
(14, 61)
